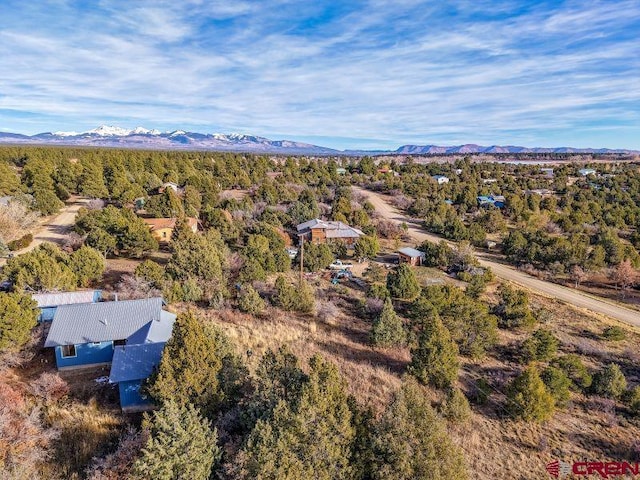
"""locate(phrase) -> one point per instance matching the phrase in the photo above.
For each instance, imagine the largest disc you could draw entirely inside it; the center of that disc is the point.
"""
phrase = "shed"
(411, 256)
(441, 179)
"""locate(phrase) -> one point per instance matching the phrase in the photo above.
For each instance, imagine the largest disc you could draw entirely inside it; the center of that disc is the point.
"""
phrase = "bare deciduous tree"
(15, 221)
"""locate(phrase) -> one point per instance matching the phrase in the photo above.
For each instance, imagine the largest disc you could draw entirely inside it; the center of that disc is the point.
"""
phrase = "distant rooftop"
(411, 252)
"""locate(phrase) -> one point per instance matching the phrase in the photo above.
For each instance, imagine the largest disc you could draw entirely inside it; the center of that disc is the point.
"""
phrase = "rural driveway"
(54, 229)
(507, 272)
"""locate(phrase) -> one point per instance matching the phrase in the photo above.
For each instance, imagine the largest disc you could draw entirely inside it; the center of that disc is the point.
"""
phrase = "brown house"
(411, 256)
(162, 228)
(320, 231)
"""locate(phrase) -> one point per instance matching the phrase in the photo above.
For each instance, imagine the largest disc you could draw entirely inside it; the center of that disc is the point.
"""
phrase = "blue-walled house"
(132, 365)
(130, 335)
(86, 334)
(48, 303)
(497, 201)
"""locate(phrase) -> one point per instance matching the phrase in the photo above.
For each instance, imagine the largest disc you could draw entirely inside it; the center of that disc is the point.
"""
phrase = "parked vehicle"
(340, 265)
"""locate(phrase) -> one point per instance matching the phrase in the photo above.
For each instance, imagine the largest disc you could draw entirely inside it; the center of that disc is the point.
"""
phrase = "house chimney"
(115, 296)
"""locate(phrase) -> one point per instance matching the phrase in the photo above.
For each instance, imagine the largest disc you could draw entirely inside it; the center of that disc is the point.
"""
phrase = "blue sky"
(370, 74)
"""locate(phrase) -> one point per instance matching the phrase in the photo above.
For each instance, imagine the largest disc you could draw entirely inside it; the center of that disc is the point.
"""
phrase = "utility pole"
(301, 257)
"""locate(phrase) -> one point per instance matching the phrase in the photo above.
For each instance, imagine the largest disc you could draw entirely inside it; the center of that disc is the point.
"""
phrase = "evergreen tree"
(91, 182)
(558, 384)
(388, 330)
(312, 438)
(165, 205)
(609, 382)
(285, 294)
(195, 256)
(43, 269)
(366, 247)
(513, 309)
(87, 264)
(455, 407)
(402, 283)
(542, 345)
(573, 367)
(151, 272)
(191, 363)
(249, 301)
(18, 315)
(434, 359)
(411, 443)
(181, 444)
(528, 397)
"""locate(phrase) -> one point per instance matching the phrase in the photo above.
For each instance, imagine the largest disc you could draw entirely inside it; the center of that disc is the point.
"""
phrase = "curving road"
(507, 272)
(55, 229)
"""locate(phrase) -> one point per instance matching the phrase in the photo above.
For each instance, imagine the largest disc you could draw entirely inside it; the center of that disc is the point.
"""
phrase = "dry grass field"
(496, 447)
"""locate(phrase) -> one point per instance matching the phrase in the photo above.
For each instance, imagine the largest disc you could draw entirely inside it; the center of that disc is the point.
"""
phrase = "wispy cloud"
(409, 71)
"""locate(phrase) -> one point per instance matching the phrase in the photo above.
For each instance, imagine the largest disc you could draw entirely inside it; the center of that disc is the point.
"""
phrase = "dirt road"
(54, 229)
(507, 272)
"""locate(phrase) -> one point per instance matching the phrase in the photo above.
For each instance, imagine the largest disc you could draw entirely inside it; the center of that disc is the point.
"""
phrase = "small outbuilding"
(586, 172)
(411, 256)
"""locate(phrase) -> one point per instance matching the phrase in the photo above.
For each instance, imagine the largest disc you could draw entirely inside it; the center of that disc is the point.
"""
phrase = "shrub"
(249, 301)
(572, 365)
(455, 407)
(20, 243)
(18, 314)
(50, 387)
(609, 382)
(632, 399)
(528, 397)
(481, 391)
(378, 291)
(614, 334)
(558, 384)
(541, 346)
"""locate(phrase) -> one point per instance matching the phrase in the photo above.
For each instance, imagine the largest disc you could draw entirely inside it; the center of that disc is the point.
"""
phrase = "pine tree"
(92, 179)
(434, 359)
(388, 330)
(411, 441)
(609, 382)
(18, 314)
(513, 309)
(528, 397)
(181, 444)
(402, 283)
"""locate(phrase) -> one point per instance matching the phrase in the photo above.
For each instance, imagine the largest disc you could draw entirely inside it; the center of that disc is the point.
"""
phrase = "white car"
(340, 265)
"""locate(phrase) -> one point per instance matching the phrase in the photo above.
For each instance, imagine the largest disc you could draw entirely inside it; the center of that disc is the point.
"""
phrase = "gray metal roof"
(101, 322)
(65, 298)
(135, 362)
(155, 331)
(332, 229)
(411, 252)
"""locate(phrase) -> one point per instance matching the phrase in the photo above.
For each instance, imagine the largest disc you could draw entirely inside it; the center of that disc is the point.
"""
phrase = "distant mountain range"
(139, 137)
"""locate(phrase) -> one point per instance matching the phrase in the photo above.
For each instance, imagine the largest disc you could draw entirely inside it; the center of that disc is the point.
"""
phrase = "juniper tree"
(311, 438)
(434, 359)
(87, 264)
(181, 444)
(528, 397)
(402, 283)
(191, 364)
(18, 315)
(411, 442)
(388, 330)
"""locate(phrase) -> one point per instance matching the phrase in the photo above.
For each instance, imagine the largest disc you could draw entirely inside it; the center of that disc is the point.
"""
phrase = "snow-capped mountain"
(140, 137)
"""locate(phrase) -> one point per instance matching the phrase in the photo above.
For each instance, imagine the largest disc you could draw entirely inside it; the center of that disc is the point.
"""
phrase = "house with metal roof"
(586, 172)
(131, 366)
(441, 179)
(87, 334)
(321, 231)
(48, 303)
(497, 201)
(411, 256)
